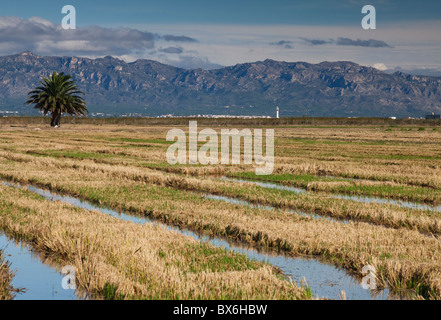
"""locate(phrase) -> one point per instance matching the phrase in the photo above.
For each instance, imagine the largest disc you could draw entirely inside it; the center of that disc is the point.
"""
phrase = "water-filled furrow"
(364, 199)
(33, 273)
(325, 280)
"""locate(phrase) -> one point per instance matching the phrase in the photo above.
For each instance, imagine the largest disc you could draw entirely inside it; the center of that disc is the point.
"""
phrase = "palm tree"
(58, 94)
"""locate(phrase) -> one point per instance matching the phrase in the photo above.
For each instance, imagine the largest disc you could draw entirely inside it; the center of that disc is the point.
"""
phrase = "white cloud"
(42, 21)
(380, 66)
(43, 37)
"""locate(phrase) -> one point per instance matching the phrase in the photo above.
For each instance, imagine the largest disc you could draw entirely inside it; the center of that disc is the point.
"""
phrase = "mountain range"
(150, 88)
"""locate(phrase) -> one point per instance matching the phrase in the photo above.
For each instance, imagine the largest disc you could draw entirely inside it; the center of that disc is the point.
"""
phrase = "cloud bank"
(169, 37)
(371, 43)
(172, 50)
(362, 43)
(210, 46)
(285, 43)
(44, 37)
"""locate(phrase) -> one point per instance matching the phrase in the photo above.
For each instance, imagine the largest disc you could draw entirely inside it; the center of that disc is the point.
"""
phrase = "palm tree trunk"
(56, 118)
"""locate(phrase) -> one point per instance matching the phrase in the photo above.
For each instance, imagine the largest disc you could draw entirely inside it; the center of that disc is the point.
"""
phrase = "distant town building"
(433, 116)
(214, 116)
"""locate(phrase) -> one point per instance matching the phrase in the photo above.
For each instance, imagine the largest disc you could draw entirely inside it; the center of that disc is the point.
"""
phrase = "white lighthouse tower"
(277, 112)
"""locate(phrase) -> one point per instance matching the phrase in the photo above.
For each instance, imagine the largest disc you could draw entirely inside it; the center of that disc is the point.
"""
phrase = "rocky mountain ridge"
(298, 88)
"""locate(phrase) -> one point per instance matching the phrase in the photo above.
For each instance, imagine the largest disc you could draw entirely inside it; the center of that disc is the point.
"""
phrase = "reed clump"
(7, 291)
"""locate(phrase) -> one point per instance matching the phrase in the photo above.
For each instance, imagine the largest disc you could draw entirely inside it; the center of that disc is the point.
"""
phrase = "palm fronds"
(58, 94)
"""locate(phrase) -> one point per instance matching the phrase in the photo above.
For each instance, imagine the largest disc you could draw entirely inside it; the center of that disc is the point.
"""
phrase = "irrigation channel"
(34, 273)
(364, 199)
(325, 280)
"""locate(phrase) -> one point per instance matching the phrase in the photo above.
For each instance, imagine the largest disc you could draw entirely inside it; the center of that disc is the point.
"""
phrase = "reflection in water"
(33, 272)
(325, 280)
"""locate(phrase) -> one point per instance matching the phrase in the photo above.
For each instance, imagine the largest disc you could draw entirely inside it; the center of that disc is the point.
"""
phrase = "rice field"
(346, 196)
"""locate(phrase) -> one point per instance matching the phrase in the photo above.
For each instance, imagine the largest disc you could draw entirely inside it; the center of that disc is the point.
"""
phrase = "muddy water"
(38, 278)
(364, 199)
(324, 280)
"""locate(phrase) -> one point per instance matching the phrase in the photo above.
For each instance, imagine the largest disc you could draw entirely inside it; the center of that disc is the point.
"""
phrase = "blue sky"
(296, 12)
(230, 31)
